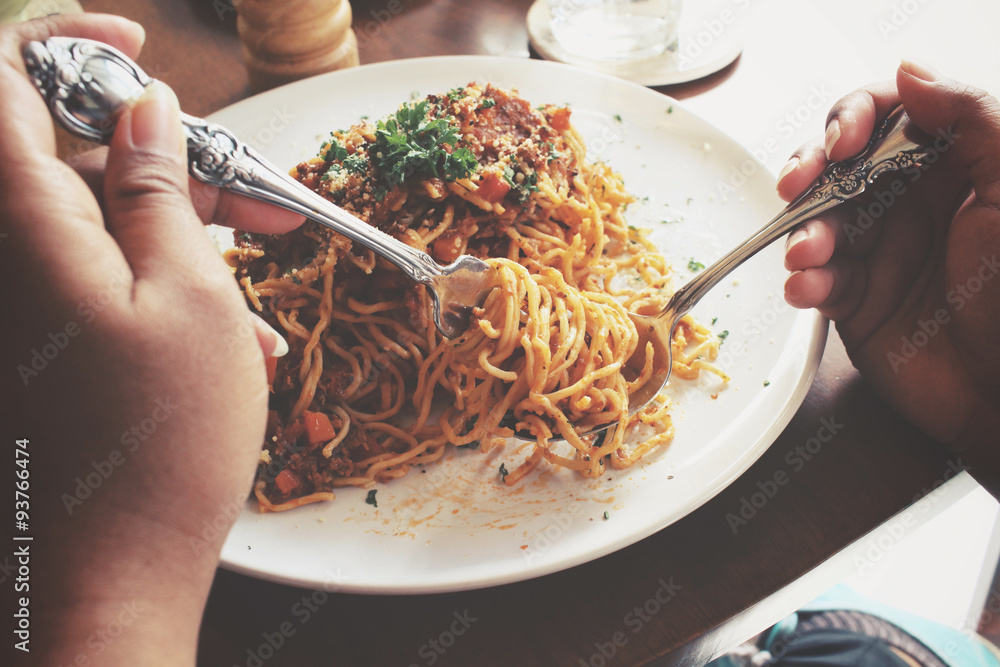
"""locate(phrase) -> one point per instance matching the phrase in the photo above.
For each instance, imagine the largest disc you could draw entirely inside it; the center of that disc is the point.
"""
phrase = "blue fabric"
(955, 648)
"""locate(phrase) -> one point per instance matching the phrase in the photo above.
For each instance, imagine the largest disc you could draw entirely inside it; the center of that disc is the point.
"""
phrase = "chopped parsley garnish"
(523, 189)
(695, 266)
(714, 320)
(670, 109)
(334, 151)
(508, 175)
(767, 383)
(487, 103)
(355, 164)
(409, 144)
(722, 334)
(455, 94)
(503, 472)
(607, 515)
(618, 117)
(553, 153)
(371, 498)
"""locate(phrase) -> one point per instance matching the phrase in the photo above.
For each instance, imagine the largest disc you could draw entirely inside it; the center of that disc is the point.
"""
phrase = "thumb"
(148, 207)
(964, 121)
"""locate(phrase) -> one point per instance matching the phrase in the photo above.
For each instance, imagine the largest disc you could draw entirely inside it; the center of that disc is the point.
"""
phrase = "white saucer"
(707, 43)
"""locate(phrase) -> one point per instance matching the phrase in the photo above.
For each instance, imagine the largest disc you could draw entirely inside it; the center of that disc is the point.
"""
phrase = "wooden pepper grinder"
(285, 40)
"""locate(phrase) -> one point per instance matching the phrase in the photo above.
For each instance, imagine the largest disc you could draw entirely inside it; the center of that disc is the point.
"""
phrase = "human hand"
(132, 367)
(909, 273)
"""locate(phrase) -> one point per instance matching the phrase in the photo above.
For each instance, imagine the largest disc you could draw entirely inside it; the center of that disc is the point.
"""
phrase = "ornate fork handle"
(896, 144)
(218, 158)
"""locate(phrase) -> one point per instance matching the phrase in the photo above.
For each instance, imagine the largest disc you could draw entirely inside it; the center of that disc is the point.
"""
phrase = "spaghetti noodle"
(358, 399)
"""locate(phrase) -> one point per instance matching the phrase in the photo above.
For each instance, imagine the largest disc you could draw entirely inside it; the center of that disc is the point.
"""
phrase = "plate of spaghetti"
(398, 461)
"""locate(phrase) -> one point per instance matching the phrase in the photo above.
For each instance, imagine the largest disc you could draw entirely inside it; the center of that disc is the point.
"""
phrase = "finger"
(936, 103)
(212, 204)
(811, 245)
(803, 167)
(272, 343)
(226, 208)
(836, 288)
(852, 119)
(147, 206)
(808, 289)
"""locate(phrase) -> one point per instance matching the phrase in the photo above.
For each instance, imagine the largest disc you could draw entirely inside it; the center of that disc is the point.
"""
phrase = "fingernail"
(832, 136)
(280, 345)
(156, 124)
(919, 70)
(795, 238)
(788, 168)
(142, 32)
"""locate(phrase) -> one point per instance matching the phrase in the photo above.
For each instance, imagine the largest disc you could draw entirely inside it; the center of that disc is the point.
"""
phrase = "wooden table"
(875, 466)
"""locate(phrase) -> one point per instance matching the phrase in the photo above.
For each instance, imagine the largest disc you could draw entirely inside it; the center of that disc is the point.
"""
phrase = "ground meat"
(336, 378)
(494, 128)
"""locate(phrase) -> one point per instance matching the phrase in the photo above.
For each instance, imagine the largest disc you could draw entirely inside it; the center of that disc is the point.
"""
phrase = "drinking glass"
(615, 30)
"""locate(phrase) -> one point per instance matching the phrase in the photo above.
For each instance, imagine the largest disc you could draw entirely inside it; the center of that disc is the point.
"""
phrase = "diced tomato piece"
(287, 481)
(318, 427)
(560, 119)
(493, 188)
(447, 248)
(271, 364)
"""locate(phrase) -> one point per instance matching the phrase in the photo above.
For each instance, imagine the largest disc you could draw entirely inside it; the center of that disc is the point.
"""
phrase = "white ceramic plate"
(454, 527)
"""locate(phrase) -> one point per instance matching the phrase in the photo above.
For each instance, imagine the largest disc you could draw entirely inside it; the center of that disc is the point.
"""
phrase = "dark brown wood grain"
(874, 466)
